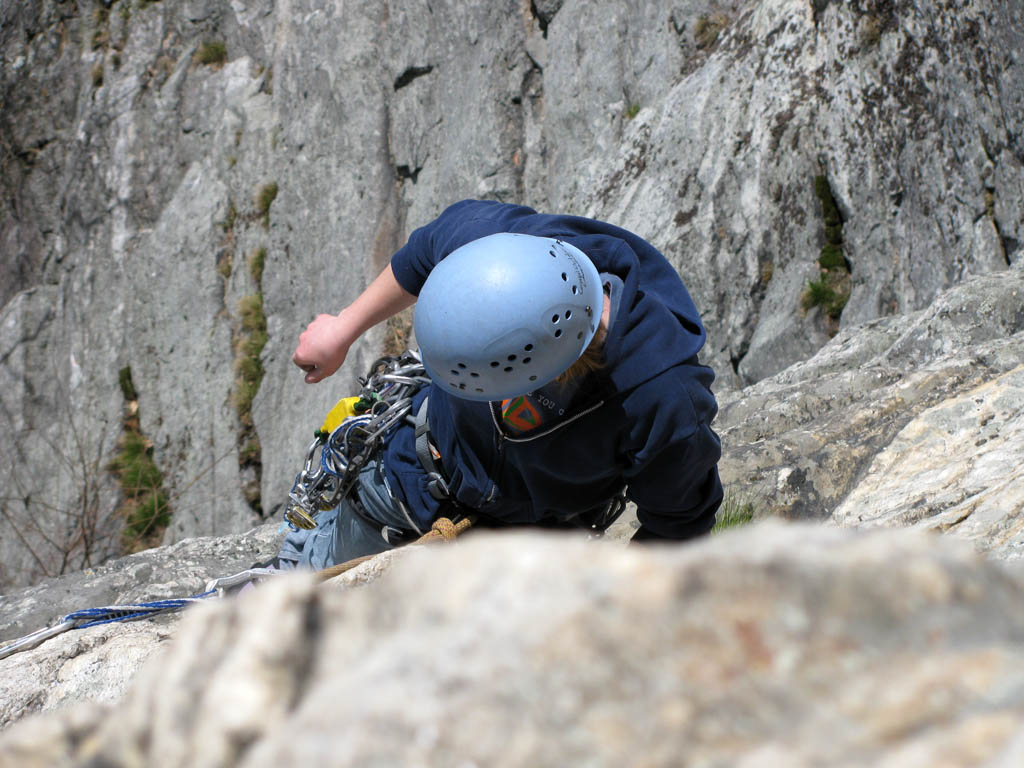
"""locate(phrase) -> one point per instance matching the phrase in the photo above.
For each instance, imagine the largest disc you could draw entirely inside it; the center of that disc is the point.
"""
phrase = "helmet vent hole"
(511, 358)
(475, 375)
(452, 383)
(462, 385)
(558, 333)
(554, 318)
(533, 378)
(508, 369)
(578, 336)
(575, 290)
(564, 277)
(568, 314)
(478, 389)
(528, 347)
(454, 372)
(462, 365)
(495, 363)
(553, 254)
(526, 360)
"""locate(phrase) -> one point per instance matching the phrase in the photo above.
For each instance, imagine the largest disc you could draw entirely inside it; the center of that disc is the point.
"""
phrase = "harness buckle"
(437, 486)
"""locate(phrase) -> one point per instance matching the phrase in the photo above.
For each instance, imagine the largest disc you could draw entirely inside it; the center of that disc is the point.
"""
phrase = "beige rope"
(443, 529)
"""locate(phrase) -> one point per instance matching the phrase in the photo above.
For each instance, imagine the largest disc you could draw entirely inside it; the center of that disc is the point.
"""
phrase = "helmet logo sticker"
(581, 275)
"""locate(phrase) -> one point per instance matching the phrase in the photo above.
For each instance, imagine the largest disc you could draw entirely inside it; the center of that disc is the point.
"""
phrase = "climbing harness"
(351, 436)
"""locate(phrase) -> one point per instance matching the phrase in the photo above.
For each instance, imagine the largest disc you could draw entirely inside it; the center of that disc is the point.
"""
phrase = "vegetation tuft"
(144, 504)
(250, 339)
(248, 366)
(264, 199)
(632, 111)
(101, 30)
(733, 513)
(225, 262)
(708, 28)
(398, 332)
(256, 261)
(250, 453)
(212, 53)
(827, 294)
(832, 257)
(230, 217)
(831, 290)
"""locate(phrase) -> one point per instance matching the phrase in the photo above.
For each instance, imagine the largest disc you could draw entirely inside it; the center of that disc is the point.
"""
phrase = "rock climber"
(562, 353)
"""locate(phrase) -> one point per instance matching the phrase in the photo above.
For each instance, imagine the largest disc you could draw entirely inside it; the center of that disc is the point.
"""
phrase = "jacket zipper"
(502, 438)
(544, 432)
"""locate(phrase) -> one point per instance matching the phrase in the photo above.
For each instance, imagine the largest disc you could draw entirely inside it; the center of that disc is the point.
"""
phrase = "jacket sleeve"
(673, 461)
(460, 223)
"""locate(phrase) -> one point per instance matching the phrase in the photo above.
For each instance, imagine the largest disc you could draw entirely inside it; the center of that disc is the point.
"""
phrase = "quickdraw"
(350, 436)
(443, 529)
(340, 450)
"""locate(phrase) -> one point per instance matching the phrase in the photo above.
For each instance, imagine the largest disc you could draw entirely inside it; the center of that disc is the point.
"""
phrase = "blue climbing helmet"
(506, 314)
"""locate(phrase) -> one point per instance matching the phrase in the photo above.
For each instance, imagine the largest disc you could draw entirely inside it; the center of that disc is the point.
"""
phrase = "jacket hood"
(657, 327)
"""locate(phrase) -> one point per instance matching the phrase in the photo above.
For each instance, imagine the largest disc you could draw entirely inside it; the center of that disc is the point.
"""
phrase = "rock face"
(774, 646)
(178, 175)
(151, 150)
(96, 664)
(903, 420)
(939, 472)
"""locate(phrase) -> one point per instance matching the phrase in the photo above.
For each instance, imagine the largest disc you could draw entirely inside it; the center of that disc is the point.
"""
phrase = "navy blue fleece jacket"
(649, 429)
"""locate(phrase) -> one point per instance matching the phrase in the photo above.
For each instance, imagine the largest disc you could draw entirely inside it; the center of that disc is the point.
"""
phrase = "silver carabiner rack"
(333, 462)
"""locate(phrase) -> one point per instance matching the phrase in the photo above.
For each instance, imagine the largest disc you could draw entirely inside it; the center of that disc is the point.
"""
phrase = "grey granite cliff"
(151, 152)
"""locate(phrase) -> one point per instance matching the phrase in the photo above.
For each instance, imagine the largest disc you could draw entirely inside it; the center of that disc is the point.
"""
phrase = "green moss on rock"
(144, 507)
(212, 53)
(264, 199)
(832, 257)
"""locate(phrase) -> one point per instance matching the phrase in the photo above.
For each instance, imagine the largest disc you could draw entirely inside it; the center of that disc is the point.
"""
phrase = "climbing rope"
(342, 447)
(443, 529)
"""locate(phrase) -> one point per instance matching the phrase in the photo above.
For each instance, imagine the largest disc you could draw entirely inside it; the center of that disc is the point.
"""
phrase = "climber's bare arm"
(325, 342)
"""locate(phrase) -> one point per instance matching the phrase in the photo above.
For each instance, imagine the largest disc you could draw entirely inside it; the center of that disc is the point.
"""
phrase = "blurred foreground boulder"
(778, 645)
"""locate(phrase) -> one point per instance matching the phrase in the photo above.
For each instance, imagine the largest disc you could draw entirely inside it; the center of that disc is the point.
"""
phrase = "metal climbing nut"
(297, 516)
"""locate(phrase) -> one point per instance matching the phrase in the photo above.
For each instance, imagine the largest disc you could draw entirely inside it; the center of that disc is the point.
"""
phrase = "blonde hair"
(590, 361)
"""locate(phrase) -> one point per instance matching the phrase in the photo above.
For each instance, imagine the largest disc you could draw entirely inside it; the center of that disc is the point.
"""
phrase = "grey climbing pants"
(344, 532)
